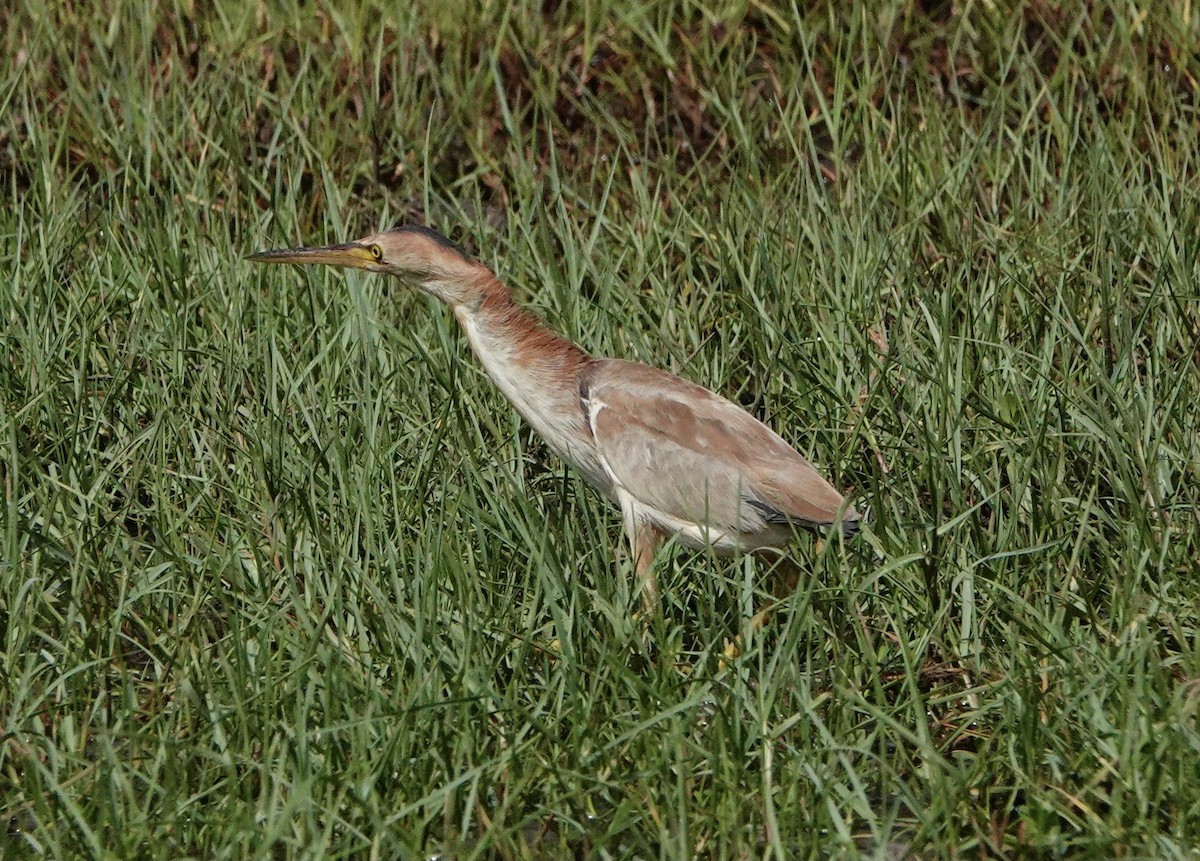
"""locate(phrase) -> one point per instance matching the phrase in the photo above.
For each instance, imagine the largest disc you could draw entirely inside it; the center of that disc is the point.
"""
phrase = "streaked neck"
(538, 370)
(502, 332)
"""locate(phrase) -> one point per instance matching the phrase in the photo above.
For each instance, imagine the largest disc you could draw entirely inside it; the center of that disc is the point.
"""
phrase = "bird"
(678, 459)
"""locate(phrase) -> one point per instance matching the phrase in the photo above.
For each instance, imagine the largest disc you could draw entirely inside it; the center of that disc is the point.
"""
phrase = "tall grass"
(282, 576)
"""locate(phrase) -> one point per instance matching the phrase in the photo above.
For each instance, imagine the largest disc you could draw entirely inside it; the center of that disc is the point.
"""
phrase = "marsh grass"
(282, 576)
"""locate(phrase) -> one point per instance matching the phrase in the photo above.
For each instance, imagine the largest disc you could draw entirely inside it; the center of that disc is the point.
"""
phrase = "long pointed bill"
(350, 254)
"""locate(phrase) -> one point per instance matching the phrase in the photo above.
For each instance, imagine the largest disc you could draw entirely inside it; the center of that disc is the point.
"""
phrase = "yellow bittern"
(678, 459)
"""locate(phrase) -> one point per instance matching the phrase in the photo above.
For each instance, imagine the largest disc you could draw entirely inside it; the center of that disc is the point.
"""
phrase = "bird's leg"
(784, 581)
(644, 541)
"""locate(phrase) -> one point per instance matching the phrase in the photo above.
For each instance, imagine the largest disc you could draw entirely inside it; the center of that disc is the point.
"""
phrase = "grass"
(282, 576)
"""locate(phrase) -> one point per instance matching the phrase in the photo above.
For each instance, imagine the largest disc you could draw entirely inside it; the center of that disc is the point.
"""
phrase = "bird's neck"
(499, 328)
(537, 369)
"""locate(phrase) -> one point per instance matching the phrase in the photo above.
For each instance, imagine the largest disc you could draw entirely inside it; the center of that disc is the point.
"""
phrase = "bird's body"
(677, 458)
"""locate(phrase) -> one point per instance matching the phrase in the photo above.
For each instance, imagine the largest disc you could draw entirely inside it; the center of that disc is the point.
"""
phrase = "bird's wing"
(693, 456)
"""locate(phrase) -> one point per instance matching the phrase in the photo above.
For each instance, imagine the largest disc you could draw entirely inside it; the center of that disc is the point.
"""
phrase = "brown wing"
(691, 454)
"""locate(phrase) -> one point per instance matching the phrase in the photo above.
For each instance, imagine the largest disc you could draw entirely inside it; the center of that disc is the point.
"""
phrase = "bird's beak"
(350, 254)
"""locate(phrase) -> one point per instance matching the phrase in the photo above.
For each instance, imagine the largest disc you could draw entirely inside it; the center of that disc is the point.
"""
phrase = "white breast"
(547, 404)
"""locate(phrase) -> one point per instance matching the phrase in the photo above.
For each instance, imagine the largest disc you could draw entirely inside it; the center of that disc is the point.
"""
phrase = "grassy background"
(282, 576)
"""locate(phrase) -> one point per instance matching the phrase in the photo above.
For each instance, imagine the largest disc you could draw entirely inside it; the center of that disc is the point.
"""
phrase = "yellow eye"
(377, 253)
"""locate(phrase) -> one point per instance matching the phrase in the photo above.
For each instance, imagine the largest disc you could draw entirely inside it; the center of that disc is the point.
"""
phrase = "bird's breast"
(543, 386)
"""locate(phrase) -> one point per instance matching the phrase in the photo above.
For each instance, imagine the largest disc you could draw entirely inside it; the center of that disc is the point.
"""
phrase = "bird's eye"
(377, 253)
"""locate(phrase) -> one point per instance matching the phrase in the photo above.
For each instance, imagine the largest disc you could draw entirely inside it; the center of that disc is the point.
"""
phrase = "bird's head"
(418, 255)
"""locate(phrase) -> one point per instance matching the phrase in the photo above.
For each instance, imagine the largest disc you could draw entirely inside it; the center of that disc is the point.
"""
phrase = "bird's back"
(700, 466)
